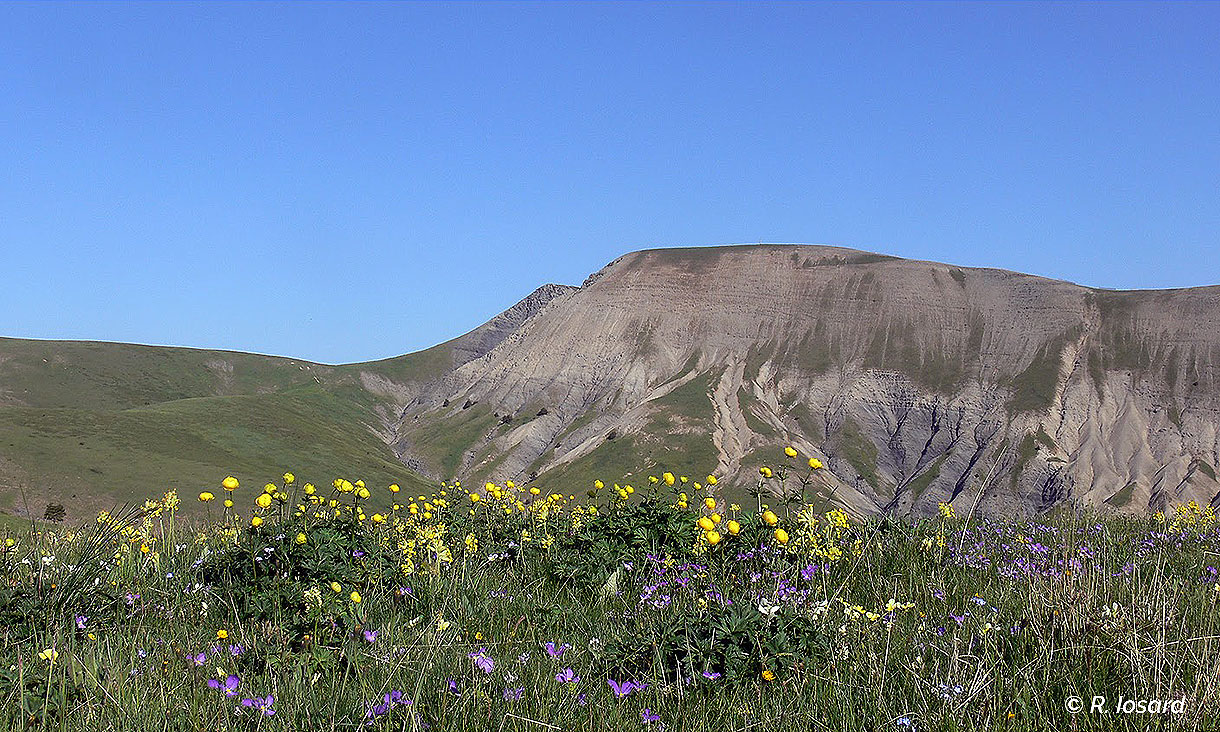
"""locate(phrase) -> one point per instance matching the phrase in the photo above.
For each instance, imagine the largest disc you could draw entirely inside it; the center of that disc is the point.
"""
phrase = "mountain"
(914, 382)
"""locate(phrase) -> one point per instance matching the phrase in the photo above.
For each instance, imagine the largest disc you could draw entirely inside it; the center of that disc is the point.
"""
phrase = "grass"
(464, 623)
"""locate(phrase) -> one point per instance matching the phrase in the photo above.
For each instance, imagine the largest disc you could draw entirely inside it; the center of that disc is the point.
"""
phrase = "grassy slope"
(90, 425)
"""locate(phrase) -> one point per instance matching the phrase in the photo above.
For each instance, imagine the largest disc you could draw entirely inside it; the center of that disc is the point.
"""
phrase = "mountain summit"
(914, 382)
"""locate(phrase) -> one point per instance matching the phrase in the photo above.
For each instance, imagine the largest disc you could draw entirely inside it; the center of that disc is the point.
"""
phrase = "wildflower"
(198, 659)
(256, 521)
(710, 503)
(483, 661)
(355, 596)
(649, 717)
(567, 676)
(228, 503)
(229, 483)
(781, 536)
(49, 655)
(713, 537)
(301, 538)
(370, 636)
(625, 688)
(668, 478)
(336, 587)
(556, 651)
(815, 463)
(81, 621)
(514, 694)
(770, 517)
(711, 675)
(946, 510)
(262, 705)
(790, 451)
(452, 687)
(222, 634)
(705, 523)
(765, 472)
(206, 496)
(711, 480)
(734, 527)
(768, 675)
(228, 686)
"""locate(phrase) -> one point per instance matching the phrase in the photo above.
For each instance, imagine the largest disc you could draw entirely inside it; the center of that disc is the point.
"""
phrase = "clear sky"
(352, 181)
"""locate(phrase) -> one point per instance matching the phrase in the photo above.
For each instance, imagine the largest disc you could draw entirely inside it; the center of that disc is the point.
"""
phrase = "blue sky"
(344, 182)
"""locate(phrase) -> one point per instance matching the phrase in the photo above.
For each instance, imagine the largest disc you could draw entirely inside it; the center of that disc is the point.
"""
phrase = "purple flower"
(198, 659)
(260, 704)
(483, 661)
(370, 635)
(649, 717)
(555, 652)
(621, 690)
(566, 676)
(236, 650)
(711, 675)
(81, 621)
(228, 686)
(514, 694)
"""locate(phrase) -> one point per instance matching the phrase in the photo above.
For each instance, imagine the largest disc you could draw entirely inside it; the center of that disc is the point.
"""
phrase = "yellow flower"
(770, 518)
(715, 518)
(682, 479)
(355, 597)
(706, 524)
(230, 483)
(734, 527)
(474, 497)
(394, 488)
(711, 480)
(49, 655)
(668, 478)
(256, 521)
(768, 675)
(713, 538)
(289, 478)
(362, 492)
(710, 503)
(228, 503)
(781, 536)
(301, 538)
(790, 451)
(206, 496)
(535, 491)
(378, 518)
(336, 587)
(222, 634)
(309, 489)
(764, 471)
(263, 500)
(815, 463)
(270, 488)
(946, 510)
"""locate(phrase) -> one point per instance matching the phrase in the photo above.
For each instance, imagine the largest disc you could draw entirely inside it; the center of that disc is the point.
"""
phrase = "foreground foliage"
(653, 608)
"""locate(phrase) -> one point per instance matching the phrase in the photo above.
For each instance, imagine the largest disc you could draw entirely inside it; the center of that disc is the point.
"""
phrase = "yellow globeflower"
(230, 483)
(228, 503)
(706, 524)
(289, 479)
(301, 538)
(734, 527)
(474, 497)
(362, 492)
(781, 536)
(764, 471)
(815, 463)
(263, 500)
(790, 451)
(668, 478)
(256, 521)
(336, 587)
(206, 496)
(711, 480)
(715, 518)
(597, 484)
(378, 518)
(394, 488)
(535, 491)
(770, 518)
(309, 489)
(270, 488)
(710, 503)
(355, 597)
(222, 634)
(713, 538)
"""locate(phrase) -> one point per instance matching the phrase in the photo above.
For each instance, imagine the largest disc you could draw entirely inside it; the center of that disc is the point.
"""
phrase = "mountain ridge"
(914, 381)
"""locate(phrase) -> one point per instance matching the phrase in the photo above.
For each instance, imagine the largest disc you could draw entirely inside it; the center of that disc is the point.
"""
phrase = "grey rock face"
(915, 382)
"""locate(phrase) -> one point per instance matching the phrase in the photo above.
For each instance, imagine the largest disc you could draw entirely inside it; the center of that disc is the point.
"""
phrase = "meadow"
(662, 606)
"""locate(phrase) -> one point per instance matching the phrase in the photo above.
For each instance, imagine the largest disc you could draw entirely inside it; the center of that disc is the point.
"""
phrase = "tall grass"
(516, 611)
